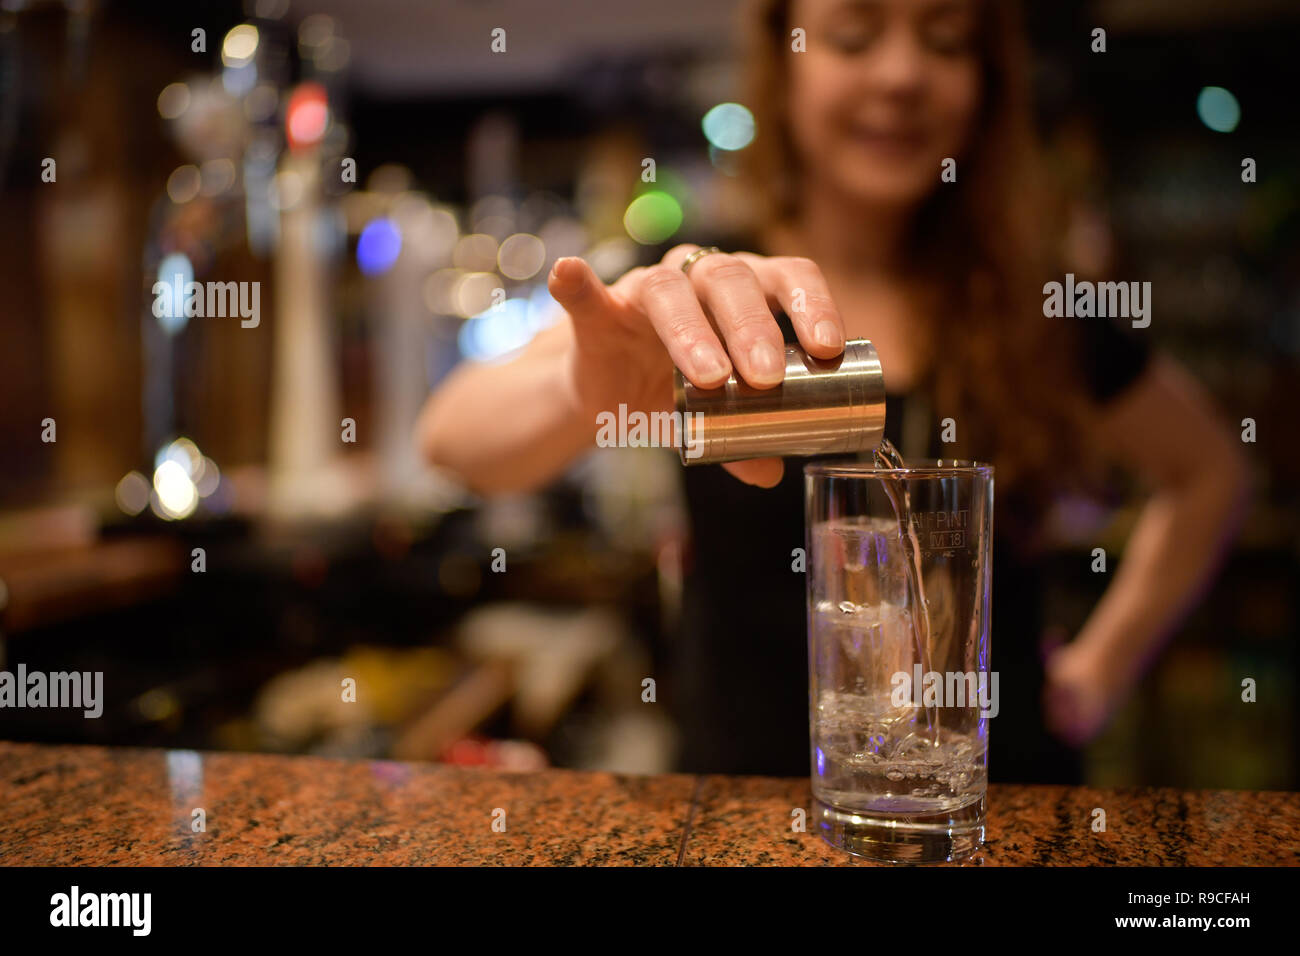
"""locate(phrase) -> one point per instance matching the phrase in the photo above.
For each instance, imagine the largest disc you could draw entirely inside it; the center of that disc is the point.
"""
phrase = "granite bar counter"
(108, 806)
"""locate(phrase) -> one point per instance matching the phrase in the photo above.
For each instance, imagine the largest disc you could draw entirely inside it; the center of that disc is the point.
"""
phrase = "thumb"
(577, 288)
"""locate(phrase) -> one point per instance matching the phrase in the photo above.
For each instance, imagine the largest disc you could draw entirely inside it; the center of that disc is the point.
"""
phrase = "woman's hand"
(1082, 693)
(1167, 430)
(717, 316)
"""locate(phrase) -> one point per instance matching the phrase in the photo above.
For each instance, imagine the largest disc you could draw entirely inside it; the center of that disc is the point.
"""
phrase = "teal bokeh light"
(729, 126)
(1218, 109)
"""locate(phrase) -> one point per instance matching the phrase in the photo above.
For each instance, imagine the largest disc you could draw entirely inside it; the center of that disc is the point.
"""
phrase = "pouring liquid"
(886, 455)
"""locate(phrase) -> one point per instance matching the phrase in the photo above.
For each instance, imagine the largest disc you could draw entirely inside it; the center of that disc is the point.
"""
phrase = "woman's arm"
(507, 427)
(1167, 429)
(517, 425)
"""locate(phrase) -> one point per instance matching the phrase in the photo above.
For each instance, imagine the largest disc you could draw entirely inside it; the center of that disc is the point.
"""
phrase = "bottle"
(824, 406)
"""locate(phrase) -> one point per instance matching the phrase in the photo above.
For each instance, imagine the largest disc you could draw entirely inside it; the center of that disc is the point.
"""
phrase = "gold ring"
(698, 254)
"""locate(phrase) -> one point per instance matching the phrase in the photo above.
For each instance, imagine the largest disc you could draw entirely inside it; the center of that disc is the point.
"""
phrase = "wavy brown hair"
(983, 245)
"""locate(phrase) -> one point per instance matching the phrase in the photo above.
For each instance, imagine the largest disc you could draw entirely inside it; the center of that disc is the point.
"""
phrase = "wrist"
(1113, 664)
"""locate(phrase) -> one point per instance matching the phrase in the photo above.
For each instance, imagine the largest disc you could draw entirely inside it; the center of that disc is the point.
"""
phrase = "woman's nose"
(898, 66)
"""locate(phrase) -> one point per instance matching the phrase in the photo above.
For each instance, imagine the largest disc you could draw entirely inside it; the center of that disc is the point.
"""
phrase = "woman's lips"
(902, 143)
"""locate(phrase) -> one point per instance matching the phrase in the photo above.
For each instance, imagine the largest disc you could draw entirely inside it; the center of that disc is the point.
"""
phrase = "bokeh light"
(497, 332)
(652, 217)
(177, 496)
(216, 176)
(543, 310)
(475, 292)
(476, 252)
(208, 478)
(132, 493)
(500, 332)
(173, 100)
(521, 256)
(183, 184)
(182, 451)
(434, 231)
(378, 247)
(240, 45)
(729, 126)
(1218, 109)
(176, 272)
(611, 257)
(439, 291)
(307, 116)
(494, 215)
(182, 475)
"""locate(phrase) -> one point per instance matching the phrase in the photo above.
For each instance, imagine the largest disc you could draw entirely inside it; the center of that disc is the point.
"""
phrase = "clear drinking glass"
(899, 607)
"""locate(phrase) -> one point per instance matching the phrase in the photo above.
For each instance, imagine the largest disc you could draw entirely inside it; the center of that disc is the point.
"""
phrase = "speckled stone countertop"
(96, 806)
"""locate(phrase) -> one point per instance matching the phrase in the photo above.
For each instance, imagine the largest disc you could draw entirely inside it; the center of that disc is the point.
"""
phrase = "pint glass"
(899, 595)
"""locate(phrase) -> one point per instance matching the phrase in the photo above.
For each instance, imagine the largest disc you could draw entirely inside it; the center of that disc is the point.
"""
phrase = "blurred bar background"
(324, 559)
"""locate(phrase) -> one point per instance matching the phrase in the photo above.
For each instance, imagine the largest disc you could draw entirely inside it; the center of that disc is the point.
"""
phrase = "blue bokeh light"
(379, 246)
(176, 272)
(543, 310)
(498, 332)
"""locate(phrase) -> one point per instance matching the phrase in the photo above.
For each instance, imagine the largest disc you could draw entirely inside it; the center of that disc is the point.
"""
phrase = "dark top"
(741, 668)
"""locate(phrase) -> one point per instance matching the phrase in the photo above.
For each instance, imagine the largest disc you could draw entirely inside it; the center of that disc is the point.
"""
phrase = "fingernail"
(707, 363)
(827, 334)
(572, 277)
(766, 360)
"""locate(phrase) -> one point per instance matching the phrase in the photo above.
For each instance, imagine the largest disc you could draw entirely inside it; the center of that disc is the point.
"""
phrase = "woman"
(945, 275)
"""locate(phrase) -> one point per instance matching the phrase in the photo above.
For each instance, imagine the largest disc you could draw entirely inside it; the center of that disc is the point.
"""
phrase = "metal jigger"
(823, 406)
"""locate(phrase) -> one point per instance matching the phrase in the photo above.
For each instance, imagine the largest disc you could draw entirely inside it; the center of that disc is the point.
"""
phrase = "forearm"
(505, 428)
(1173, 550)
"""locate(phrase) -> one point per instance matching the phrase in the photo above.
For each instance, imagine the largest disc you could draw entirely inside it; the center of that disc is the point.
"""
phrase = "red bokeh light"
(307, 116)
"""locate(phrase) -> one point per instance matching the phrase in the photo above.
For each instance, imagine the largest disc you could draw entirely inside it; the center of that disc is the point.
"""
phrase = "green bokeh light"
(652, 217)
